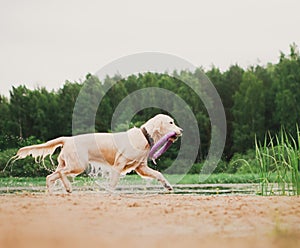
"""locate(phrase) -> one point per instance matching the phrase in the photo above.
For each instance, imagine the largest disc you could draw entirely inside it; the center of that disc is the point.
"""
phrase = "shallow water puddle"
(199, 189)
(144, 189)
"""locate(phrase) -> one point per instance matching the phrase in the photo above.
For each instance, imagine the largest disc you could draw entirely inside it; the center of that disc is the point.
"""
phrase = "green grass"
(279, 156)
(22, 181)
(26, 183)
(221, 178)
(135, 179)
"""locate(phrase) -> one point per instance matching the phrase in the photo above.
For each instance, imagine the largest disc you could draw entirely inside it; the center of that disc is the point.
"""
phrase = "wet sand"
(86, 219)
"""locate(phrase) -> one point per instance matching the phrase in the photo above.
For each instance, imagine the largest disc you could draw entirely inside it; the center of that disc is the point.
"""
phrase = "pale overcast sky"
(44, 43)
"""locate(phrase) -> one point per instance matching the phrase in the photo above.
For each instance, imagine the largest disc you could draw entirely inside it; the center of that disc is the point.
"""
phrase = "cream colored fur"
(124, 152)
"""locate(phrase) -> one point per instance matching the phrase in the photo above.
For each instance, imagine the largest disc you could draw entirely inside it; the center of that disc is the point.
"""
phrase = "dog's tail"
(39, 152)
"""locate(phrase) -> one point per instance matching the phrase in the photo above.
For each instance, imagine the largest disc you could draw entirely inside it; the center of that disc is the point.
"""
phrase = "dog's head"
(160, 125)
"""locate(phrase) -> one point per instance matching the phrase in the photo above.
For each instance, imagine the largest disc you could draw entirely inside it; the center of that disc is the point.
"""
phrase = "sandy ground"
(103, 220)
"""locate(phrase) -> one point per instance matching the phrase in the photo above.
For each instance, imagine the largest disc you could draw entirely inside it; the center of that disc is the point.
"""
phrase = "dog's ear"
(158, 127)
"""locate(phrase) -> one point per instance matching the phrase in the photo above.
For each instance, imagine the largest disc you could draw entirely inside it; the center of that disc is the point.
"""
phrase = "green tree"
(195, 102)
(286, 79)
(66, 99)
(248, 112)
(43, 114)
(85, 115)
(227, 84)
(265, 75)
(19, 98)
(4, 114)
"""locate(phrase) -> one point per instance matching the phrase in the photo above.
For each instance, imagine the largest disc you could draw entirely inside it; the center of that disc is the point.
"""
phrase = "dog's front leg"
(145, 171)
(114, 179)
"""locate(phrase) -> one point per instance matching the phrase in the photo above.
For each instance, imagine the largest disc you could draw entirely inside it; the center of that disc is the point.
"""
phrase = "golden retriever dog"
(123, 152)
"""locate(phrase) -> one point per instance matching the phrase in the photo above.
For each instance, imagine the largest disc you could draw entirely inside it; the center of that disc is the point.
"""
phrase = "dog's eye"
(171, 122)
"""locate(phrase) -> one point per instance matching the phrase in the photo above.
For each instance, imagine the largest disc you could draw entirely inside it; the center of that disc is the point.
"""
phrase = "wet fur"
(124, 152)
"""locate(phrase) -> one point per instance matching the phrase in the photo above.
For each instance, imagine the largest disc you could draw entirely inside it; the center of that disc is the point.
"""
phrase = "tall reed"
(279, 156)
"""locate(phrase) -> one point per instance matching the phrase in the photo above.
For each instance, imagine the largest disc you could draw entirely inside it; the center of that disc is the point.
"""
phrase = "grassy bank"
(135, 179)
(279, 155)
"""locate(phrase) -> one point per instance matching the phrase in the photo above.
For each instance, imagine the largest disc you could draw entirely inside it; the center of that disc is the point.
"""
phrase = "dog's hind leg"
(61, 172)
(65, 180)
(50, 179)
(68, 171)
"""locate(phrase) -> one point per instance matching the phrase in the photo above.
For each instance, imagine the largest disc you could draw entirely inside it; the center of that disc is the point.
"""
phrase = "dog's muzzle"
(176, 136)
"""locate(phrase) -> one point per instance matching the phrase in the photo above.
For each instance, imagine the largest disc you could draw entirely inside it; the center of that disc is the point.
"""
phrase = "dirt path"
(102, 220)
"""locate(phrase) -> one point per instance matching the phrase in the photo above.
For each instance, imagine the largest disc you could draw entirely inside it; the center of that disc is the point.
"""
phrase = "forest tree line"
(256, 100)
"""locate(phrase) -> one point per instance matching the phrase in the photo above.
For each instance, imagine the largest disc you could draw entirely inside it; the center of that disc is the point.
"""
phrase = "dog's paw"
(69, 191)
(168, 187)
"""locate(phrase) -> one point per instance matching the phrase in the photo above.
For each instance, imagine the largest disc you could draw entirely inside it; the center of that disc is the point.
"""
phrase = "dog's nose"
(180, 130)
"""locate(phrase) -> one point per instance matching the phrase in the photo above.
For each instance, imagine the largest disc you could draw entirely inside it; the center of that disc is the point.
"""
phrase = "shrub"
(24, 167)
(196, 168)
(243, 163)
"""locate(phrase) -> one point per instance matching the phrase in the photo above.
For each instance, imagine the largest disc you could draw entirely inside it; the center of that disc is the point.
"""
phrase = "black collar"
(148, 137)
